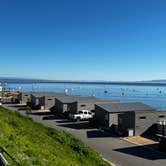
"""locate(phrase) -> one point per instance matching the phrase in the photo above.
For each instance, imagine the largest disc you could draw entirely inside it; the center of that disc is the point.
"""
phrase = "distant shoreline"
(88, 82)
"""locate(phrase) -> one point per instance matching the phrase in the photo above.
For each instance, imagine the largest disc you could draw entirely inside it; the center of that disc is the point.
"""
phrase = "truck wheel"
(78, 119)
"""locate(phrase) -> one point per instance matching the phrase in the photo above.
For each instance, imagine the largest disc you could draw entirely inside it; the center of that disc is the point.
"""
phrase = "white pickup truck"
(81, 115)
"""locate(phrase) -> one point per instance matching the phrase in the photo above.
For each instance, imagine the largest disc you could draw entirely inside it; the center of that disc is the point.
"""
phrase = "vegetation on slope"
(33, 144)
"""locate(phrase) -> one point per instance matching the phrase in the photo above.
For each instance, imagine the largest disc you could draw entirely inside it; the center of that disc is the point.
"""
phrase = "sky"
(115, 40)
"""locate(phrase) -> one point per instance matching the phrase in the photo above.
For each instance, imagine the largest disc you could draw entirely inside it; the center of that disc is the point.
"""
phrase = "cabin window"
(49, 99)
(142, 117)
(161, 116)
(83, 105)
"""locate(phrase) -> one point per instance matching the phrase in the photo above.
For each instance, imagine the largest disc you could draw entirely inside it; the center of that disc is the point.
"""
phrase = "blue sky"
(120, 40)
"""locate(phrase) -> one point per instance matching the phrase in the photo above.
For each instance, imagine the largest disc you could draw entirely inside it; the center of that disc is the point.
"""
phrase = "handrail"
(2, 150)
(3, 161)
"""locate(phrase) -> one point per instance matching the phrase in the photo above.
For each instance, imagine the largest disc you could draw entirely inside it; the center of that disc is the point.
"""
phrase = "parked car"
(81, 115)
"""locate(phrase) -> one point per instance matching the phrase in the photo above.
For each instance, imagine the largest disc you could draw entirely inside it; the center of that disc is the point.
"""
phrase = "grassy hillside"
(33, 144)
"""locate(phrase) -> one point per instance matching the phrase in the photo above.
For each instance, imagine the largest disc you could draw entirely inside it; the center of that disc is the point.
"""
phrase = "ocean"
(154, 96)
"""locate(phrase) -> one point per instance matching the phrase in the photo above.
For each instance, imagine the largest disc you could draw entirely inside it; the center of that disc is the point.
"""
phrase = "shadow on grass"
(146, 152)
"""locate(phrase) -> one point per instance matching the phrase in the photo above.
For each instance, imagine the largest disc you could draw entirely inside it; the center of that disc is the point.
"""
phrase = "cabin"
(126, 119)
(25, 97)
(35, 100)
(68, 104)
(73, 104)
(48, 100)
(44, 100)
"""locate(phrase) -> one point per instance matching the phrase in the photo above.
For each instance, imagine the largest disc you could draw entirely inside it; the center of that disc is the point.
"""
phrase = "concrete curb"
(112, 164)
(132, 142)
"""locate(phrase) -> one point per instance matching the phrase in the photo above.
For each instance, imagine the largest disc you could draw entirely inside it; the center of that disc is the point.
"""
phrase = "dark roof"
(125, 107)
(50, 94)
(107, 101)
(72, 99)
(87, 99)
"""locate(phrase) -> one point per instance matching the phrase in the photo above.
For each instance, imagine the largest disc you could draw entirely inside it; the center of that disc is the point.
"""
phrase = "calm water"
(152, 95)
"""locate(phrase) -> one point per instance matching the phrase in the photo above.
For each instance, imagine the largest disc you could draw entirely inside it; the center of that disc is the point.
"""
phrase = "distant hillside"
(156, 81)
(26, 80)
(19, 80)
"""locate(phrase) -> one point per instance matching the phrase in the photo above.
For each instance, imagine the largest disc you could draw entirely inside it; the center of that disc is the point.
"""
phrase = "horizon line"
(90, 81)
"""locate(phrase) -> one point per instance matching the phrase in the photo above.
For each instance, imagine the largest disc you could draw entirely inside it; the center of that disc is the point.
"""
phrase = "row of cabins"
(126, 119)
(73, 104)
(60, 102)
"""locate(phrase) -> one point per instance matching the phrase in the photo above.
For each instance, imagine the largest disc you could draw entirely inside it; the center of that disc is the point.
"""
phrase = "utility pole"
(1, 91)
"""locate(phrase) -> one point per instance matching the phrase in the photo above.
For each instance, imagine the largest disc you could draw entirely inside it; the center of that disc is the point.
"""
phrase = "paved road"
(115, 150)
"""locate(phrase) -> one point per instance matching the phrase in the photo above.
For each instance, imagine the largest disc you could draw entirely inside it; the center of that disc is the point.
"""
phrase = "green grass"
(33, 144)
